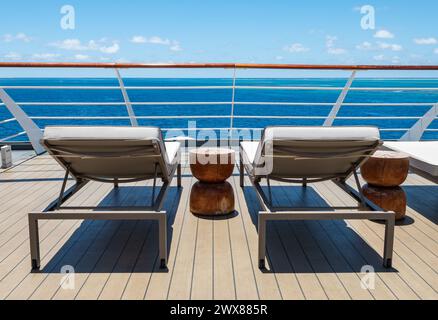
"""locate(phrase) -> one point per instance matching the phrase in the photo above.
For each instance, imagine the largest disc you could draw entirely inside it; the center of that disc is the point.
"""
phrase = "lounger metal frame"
(364, 210)
(56, 210)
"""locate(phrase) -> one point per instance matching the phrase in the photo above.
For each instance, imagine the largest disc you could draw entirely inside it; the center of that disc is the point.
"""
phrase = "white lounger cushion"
(101, 133)
(322, 133)
(119, 141)
(423, 154)
(322, 142)
(111, 133)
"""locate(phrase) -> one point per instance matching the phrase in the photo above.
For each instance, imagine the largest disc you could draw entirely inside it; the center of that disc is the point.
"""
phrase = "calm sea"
(222, 95)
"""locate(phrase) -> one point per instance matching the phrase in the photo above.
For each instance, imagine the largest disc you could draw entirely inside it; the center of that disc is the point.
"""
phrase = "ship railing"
(421, 124)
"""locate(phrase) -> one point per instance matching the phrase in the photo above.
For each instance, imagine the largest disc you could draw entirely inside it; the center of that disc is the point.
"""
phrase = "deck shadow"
(124, 247)
(424, 200)
(302, 247)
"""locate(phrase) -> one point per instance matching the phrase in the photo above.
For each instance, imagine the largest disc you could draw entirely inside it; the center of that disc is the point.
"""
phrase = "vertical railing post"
(417, 130)
(128, 104)
(334, 112)
(230, 134)
(32, 130)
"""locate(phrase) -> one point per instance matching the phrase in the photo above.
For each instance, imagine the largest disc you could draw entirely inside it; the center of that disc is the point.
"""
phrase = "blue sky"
(259, 31)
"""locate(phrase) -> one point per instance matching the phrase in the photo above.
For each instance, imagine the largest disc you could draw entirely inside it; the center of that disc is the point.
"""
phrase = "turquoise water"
(222, 95)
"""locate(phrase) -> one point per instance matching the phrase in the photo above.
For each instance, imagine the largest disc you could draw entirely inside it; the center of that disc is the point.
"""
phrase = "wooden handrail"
(213, 66)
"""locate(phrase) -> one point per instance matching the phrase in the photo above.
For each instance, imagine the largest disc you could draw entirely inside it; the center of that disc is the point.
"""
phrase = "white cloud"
(175, 46)
(390, 46)
(172, 44)
(73, 44)
(138, 39)
(12, 56)
(425, 41)
(379, 45)
(336, 51)
(296, 47)
(114, 48)
(364, 46)
(158, 40)
(330, 44)
(122, 60)
(379, 57)
(383, 34)
(18, 37)
(395, 59)
(81, 57)
(383, 58)
(436, 51)
(279, 58)
(45, 56)
(92, 45)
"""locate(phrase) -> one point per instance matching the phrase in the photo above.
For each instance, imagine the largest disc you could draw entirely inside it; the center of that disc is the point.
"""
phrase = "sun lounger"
(114, 155)
(312, 154)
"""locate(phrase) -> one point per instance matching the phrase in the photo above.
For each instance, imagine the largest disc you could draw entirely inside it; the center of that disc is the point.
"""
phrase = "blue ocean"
(391, 128)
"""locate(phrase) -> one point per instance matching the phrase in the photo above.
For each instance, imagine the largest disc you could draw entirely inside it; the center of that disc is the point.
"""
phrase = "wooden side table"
(212, 194)
(384, 172)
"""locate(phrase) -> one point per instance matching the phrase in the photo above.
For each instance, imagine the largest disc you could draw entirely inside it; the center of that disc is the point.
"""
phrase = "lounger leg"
(389, 241)
(116, 183)
(64, 184)
(269, 190)
(241, 171)
(162, 233)
(154, 185)
(304, 182)
(362, 203)
(34, 242)
(178, 175)
(262, 241)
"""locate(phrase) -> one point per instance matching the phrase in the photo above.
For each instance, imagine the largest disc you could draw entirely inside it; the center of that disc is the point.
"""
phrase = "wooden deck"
(210, 258)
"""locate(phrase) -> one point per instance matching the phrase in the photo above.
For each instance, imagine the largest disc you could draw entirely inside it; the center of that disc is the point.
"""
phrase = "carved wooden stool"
(385, 171)
(212, 195)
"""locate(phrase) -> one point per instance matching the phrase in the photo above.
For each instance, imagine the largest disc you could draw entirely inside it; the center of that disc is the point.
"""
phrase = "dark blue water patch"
(75, 111)
(434, 124)
(381, 123)
(4, 113)
(296, 96)
(89, 82)
(395, 83)
(80, 122)
(184, 123)
(430, 135)
(9, 129)
(382, 111)
(182, 110)
(392, 97)
(65, 95)
(292, 82)
(279, 110)
(391, 135)
(208, 95)
(261, 123)
(176, 82)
